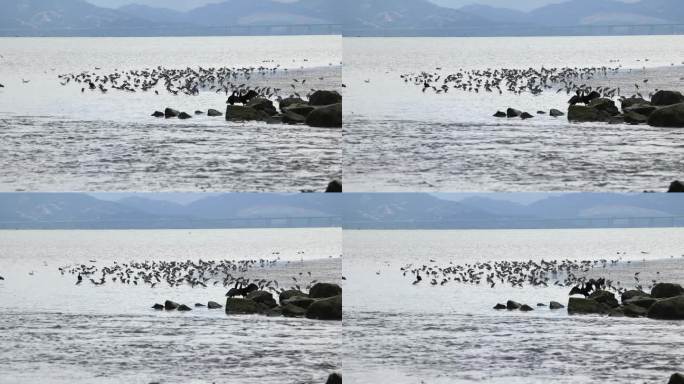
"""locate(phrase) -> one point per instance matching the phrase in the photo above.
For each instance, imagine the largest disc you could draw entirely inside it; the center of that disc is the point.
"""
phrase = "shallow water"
(58, 138)
(110, 334)
(398, 138)
(403, 333)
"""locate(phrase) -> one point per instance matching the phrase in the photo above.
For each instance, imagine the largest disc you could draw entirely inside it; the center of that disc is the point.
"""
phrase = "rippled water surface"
(402, 333)
(57, 138)
(398, 138)
(50, 327)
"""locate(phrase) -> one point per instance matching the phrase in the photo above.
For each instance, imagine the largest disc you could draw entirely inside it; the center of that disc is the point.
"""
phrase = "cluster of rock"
(334, 378)
(676, 186)
(512, 112)
(676, 378)
(665, 302)
(172, 305)
(324, 109)
(513, 305)
(323, 302)
(170, 113)
(666, 109)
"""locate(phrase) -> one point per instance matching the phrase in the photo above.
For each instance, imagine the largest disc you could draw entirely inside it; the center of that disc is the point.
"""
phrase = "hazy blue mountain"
(153, 206)
(35, 15)
(405, 14)
(155, 14)
(496, 14)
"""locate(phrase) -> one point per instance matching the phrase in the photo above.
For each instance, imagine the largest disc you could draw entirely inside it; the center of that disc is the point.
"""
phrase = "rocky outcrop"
(170, 112)
(284, 295)
(666, 290)
(169, 305)
(511, 305)
(556, 305)
(676, 186)
(525, 116)
(291, 310)
(158, 114)
(556, 113)
(671, 116)
(325, 98)
(214, 305)
(158, 306)
(285, 103)
(262, 297)
(336, 378)
(578, 305)
(184, 116)
(214, 113)
(334, 187)
(665, 98)
(241, 306)
(632, 101)
(676, 378)
(329, 116)
(184, 308)
(605, 297)
(500, 306)
(512, 112)
(263, 105)
(326, 309)
(668, 309)
(323, 290)
(598, 110)
(243, 113)
(500, 114)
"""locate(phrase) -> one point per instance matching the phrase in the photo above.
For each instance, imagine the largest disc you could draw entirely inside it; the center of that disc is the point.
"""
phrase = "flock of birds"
(201, 273)
(562, 273)
(516, 81)
(188, 81)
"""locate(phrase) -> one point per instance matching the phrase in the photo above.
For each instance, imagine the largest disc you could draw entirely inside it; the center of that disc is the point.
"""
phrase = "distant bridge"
(522, 30)
(524, 223)
(181, 30)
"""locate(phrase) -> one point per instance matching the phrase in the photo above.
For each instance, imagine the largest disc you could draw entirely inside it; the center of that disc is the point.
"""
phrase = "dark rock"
(499, 306)
(291, 310)
(676, 378)
(334, 187)
(336, 378)
(632, 310)
(556, 305)
(214, 305)
(644, 302)
(541, 112)
(525, 116)
(241, 306)
(158, 306)
(676, 186)
(263, 105)
(184, 116)
(158, 114)
(671, 116)
(184, 308)
(541, 305)
(666, 290)
(500, 114)
(284, 295)
(300, 301)
(322, 290)
(199, 113)
(526, 308)
(326, 309)
(642, 109)
(169, 305)
(199, 305)
(605, 297)
(605, 105)
(577, 305)
(512, 112)
(325, 98)
(214, 113)
(556, 113)
(300, 109)
(262, 297)
(668, 309)
(632, 293)
(510, 305)
(632, 101)
(289, 117)
(329, 116)
(169, 112)
(634, 118)
(664, 98)
(583, 114)
(284, 103)
(242, 113)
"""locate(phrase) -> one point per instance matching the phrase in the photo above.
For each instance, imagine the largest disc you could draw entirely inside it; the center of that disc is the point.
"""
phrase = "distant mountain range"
(355, 210)
(357, 17)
